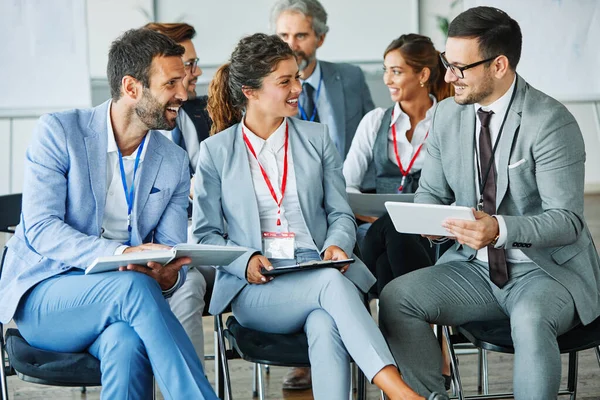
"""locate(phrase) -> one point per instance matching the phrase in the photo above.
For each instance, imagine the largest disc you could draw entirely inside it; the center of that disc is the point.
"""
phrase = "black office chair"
(260, 348)
(496, 336)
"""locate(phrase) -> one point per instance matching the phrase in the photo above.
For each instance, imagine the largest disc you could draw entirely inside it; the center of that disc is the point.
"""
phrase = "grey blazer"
(226, 211)
(349, 96)
(539, 187)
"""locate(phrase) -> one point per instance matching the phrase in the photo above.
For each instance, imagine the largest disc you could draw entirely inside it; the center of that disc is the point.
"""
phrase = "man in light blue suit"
(100, 182)
(518, 156)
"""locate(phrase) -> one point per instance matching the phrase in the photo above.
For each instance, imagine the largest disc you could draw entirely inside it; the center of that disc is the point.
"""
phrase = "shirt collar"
(274, 142)
(500, 106)
(315, 77)
(112, 143)
(399, 113)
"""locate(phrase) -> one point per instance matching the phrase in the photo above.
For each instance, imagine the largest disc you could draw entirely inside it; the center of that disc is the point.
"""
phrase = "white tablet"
(425, 219)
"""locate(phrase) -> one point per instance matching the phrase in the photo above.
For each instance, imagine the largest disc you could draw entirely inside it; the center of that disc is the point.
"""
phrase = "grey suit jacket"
(64, 196)
(349, 96)
(540, 198)
(226, 211)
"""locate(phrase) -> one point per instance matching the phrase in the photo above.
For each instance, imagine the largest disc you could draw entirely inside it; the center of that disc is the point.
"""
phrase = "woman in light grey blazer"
(274, 185)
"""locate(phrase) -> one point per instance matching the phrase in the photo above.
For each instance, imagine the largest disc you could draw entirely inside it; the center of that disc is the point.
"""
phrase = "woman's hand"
(335, 253)
(255, 264)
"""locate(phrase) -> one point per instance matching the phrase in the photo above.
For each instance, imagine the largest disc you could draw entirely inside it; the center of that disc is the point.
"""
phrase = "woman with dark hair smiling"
(274, 185)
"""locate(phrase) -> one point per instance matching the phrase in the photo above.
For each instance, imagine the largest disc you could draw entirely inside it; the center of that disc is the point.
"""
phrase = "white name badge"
(278, 245)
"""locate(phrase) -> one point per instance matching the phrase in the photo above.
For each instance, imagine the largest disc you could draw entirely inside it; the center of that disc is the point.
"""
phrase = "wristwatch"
(495, 240)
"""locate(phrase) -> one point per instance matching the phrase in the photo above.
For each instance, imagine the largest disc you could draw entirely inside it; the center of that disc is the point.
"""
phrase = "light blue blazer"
(226, 211)
(64, 194)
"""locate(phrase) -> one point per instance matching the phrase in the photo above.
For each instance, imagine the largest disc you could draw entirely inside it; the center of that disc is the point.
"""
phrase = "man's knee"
(119, 341)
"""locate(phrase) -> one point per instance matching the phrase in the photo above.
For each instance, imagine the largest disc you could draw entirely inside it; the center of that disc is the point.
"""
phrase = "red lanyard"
(412, 161)
(264, 173)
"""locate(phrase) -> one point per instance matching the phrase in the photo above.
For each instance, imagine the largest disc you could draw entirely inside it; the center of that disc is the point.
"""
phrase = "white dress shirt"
(323, 104)
(270, 153)
(360, 154)
(190, 137)
(114, 222)
(500, 108)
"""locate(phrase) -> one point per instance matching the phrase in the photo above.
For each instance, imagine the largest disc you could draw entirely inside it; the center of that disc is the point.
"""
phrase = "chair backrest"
(10, 212)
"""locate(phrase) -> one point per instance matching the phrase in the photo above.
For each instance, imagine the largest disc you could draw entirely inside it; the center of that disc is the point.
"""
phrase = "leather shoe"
(438, 396)
(297, 379)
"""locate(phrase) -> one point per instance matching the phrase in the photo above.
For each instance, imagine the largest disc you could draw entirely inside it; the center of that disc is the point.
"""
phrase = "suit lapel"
(96, 146)
(148, 174)
(242, 177)
(467, 137)
(511, 127)
(299, 151)
(335, 93)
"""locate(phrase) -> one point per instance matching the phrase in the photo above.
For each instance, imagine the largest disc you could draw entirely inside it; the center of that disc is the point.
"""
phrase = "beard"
(479, 93)
(153, 114)
(303, 60)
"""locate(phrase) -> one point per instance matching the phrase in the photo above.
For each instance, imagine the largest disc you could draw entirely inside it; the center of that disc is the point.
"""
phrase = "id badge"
(278, 245)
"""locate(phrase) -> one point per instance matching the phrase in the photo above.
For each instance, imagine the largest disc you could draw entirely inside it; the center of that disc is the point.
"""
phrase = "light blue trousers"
(539, 309)
(123, 320)
(328, 307)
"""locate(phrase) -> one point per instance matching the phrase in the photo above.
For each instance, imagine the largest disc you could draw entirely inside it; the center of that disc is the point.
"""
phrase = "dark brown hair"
(178, 32)
(132, 54)
(418, 52)
(496, 32)
(253, 58)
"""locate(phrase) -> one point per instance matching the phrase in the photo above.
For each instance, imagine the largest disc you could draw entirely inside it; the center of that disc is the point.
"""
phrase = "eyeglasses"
(459, 71)
(191, 65)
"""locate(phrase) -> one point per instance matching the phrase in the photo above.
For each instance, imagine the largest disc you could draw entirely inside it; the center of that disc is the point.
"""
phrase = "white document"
(373, 205)
(425, 219)
(201, 254)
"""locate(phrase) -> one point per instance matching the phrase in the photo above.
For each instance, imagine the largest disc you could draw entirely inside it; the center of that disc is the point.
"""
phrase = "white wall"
(107, 19)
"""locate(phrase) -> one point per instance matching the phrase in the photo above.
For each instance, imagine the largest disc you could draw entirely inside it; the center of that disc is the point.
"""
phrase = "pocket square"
(515, 165)
(154, 190)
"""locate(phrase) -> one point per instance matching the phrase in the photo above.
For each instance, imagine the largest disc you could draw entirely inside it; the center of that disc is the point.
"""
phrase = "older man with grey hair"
(335, 94)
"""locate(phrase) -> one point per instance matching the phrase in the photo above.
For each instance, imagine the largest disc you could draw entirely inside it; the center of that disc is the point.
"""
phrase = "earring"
(422, 84)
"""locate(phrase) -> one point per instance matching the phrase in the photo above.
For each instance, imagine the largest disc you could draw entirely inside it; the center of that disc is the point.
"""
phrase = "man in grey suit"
(528, 257)
(335, 94)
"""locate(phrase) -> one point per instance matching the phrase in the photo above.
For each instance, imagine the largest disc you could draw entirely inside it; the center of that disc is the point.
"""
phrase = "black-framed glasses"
(459, 71)
(192, 64)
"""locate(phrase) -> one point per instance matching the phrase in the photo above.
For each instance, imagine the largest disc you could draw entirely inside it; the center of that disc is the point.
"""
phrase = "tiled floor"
(500, 365)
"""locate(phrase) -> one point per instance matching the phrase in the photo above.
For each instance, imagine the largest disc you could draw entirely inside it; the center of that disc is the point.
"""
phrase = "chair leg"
(254, 380)
(3, 366)
(454, 365)
(484, 372)
(572, 379)
(225, 386)
(479, 371)
(261, 384)
(597, 350)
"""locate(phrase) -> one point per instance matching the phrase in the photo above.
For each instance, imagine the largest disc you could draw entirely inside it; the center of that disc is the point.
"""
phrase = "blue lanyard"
(129, 195)
(314, 113)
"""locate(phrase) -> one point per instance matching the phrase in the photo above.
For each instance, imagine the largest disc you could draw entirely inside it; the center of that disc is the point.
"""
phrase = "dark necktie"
(309, 92)
(496, 257)
(178, 137)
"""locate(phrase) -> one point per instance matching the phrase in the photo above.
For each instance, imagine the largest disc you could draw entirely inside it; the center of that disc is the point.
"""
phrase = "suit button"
(528, 245)
(515, 244)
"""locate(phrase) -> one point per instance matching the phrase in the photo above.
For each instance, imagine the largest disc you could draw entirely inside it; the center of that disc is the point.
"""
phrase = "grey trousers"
(187, 303)
(539, 309)
(328, 307)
